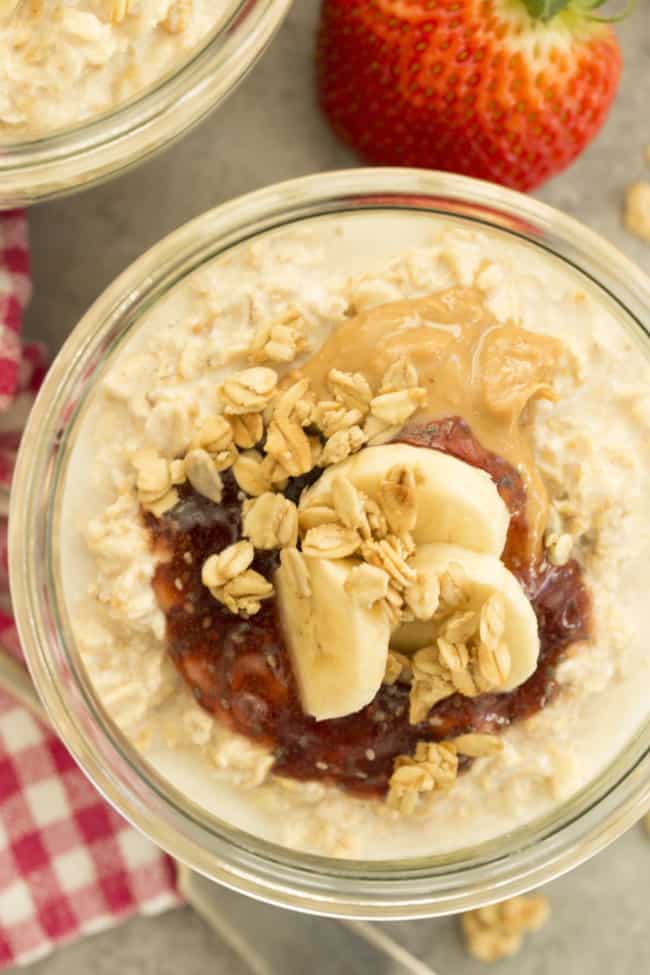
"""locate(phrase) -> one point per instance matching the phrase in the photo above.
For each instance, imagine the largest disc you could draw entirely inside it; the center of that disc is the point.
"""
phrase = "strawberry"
(505, 90)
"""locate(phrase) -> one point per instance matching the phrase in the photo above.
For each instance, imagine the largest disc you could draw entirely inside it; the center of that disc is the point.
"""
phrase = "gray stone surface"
(599, 923)
(270, 130)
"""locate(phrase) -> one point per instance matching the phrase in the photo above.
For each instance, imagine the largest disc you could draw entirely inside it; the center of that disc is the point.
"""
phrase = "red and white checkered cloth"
(69, 864)
(15, 289)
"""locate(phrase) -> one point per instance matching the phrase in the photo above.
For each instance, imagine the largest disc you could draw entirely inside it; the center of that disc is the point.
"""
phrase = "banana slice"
(456, 503)
(483, 575)
(338, 648)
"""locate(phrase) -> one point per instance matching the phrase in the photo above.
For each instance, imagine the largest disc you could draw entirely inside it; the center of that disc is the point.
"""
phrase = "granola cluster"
(497, 931)
(558, 542)
(232, 582)
(468, 655)
(434, 767)
(347, 523)
(268, 432)
(637, 209)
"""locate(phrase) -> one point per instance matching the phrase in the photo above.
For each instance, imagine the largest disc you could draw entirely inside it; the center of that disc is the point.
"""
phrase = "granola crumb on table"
(497, 931)
(637, 209)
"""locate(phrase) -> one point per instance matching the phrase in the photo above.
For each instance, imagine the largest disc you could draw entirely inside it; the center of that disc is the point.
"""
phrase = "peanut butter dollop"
(471, 366)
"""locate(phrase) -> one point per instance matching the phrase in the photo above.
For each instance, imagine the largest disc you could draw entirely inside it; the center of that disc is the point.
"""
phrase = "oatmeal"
(65, 61)
(357, 573)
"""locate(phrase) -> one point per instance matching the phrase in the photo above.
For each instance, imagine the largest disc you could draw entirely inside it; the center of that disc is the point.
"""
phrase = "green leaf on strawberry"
(545, 9)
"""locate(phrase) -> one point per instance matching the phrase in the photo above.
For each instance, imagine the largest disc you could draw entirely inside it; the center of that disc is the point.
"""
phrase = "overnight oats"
(353, 543)
(63, 62)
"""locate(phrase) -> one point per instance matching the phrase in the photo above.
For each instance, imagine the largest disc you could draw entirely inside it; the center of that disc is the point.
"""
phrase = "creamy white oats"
(65, 61)
(594, 457)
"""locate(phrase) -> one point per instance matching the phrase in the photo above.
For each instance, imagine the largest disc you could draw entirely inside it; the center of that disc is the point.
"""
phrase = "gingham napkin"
(69, 865)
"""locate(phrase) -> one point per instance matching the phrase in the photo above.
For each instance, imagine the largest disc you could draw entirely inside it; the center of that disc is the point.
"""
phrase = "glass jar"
(103, 146)
(510, 864)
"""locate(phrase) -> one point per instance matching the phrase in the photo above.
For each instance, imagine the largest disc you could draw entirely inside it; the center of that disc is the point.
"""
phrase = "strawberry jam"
(239, 670)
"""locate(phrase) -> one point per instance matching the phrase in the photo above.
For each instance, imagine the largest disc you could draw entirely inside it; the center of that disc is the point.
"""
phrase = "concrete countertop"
(80, 244)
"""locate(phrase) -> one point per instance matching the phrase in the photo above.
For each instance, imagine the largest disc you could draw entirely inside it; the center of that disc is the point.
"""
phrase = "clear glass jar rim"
(531, 855)
(95, 150)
